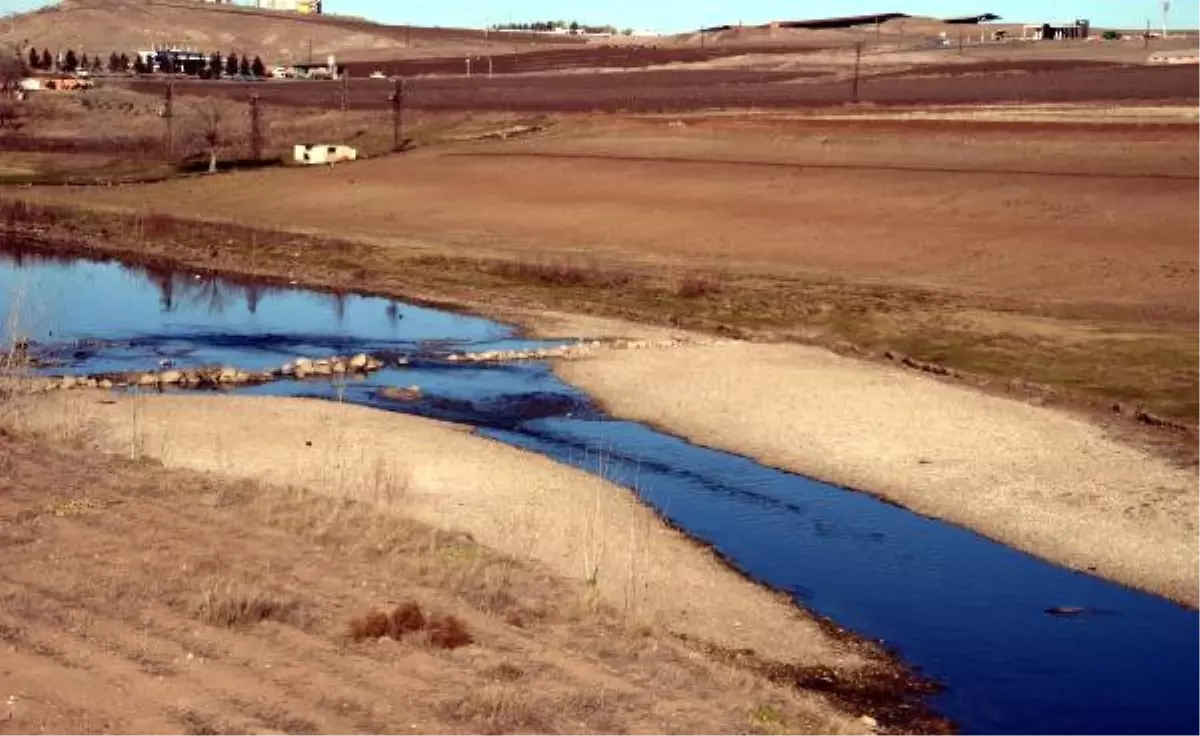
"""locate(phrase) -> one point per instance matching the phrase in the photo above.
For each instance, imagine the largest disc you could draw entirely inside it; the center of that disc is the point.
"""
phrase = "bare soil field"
(684, 90)
(138, 599)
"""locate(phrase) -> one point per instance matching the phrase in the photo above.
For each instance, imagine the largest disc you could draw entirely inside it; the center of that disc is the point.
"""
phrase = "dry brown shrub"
(375, 625)
(406, 618)
(448, 632)
(699, 285)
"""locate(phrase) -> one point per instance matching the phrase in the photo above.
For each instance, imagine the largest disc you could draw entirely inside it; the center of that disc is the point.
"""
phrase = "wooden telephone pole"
(397, 100)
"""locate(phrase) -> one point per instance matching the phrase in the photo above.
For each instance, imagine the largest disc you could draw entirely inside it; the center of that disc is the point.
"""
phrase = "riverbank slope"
(313, 514)
(1033, 478)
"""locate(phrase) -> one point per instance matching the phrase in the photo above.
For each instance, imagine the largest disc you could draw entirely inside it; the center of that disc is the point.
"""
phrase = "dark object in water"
(1064, 611)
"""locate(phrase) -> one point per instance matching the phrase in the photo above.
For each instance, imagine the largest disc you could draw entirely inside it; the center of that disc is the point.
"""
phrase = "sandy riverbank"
(1034, 478)
(516, 502)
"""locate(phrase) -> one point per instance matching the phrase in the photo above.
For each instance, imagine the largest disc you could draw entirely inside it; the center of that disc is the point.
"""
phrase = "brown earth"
(104, 26)
(139, 599)
(689, 90)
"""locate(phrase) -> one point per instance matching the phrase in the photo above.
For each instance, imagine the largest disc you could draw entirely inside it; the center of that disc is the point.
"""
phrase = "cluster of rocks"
(562, 352)
(335, 366)
(214, 376)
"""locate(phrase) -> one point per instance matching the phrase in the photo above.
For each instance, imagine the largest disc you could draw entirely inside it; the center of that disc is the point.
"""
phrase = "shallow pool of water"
(962, 609)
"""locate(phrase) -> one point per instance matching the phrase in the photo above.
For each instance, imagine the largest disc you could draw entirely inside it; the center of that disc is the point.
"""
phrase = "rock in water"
(359, 362)
(170, 377)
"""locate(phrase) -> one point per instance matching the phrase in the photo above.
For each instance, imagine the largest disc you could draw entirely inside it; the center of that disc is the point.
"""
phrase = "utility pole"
(1146, 35)
(168, 114)
(1166, 9)
(858, 64)
(489, 58)
(345, 92)
(468, 60)
(397, 100)
(256, 138)
(960, 42)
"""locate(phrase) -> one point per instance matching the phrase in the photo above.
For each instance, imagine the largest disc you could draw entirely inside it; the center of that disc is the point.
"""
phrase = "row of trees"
(213, 67)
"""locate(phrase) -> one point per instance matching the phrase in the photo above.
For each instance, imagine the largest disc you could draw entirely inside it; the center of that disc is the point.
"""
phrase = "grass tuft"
(231, 604)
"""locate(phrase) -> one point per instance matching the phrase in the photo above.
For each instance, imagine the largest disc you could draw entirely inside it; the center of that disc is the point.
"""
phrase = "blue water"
(964, 610)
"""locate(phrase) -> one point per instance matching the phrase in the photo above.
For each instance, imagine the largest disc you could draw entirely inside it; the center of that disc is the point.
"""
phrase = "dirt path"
(139, 599)
(1031, 477)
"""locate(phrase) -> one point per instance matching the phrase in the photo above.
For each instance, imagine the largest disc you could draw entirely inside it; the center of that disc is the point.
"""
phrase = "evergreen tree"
(85, 62)
(257, 68)
(70, 61)
(214, 66)
(244, 67)
(231, 65)
(168, 65)
(35, 60)
(124, 66)
(139, 66)
(47, 60)
(97, 65)
(114, 62)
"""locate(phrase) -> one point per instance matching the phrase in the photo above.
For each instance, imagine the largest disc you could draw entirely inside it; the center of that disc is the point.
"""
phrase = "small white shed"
(324, 154)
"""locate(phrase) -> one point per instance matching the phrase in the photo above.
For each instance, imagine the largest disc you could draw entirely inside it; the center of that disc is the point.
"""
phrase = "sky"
(682, 15)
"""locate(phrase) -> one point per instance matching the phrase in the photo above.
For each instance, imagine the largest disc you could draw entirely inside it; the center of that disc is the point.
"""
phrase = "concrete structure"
(323, 154)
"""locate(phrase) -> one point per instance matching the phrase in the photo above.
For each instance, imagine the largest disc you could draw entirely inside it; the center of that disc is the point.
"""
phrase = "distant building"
(1056, 31)
(294, 6)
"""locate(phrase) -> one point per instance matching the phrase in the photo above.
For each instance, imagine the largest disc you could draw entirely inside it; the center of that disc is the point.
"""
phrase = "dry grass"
(700, 285)
(231, 603)
(562, 273)
(497, 709)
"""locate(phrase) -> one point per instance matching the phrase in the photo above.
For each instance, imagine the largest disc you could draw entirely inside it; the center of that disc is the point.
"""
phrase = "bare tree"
(206, 134)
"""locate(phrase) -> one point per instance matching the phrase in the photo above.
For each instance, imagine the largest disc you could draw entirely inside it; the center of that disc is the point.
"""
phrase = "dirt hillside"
(101, 26)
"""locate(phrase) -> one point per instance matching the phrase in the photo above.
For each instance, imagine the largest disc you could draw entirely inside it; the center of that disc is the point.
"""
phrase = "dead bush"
(443, 631)
(699, 285)
(232, 604)
(407, 618)
(448, 632)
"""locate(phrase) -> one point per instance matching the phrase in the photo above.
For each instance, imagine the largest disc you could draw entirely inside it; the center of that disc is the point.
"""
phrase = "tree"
(214, 66)
(35, 60)
(114, 63)
(70, 61)
(124, 67)
(207, 132)
(85, 62)
(231, 65)
(168, 65)
(139, 66)
(47, 60)
(97, 65)
(244, 67)
(257, 68)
